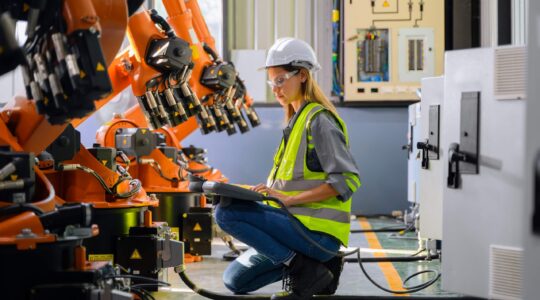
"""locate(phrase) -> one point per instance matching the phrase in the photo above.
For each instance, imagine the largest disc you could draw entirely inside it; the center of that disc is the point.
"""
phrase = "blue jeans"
(270, 232)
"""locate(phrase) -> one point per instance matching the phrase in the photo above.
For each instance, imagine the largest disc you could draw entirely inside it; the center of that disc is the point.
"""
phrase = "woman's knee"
(249, 272)
(233, 278)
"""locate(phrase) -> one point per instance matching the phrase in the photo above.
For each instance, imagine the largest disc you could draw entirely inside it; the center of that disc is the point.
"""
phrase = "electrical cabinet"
(389, 46)
(531, 212)
(483, 193)
(432, 158)
(416, 57)
(413, 168)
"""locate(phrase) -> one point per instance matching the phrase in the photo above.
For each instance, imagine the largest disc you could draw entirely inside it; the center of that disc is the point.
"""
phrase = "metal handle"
(536, 196)
(453, 179)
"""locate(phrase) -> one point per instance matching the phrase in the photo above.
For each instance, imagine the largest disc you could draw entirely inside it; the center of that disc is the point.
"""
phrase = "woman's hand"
(261, 188)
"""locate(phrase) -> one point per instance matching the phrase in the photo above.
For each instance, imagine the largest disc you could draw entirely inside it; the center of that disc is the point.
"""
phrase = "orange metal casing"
(199, 24)
(80, 15)
(78, 186)
(180, 19)
(113, 18)
(150, 178)
(141, 30)
(15, 224)
(44, 189)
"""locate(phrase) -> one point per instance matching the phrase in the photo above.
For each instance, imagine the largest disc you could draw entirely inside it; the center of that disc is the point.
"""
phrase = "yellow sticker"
(386, 4)
(124, 141)
(100, 67)
(143, 131)
(46, 101)
(135, 255)
(104, 162)
(335, 15)
(101, 257)
(191, 105)
(82, 74)
(194, 52)
(197, 227)
(176, 233)
(14, 177)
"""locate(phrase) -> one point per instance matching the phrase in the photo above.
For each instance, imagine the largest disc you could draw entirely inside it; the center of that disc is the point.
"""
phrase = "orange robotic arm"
(64, 71)
(241, 97)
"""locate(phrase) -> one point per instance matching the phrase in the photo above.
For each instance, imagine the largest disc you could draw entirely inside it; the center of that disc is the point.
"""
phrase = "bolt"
(178, 52)
(63, 141)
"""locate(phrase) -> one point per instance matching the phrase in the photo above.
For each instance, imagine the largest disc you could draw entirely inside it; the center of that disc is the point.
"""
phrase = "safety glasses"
(279, 81)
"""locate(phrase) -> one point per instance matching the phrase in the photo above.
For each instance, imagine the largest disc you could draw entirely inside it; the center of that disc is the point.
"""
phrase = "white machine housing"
(432, 179)
(531, 272)
(482, 245)
(413, 168)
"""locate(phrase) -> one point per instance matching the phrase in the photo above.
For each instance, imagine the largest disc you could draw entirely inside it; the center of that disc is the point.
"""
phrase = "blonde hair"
(311, 92)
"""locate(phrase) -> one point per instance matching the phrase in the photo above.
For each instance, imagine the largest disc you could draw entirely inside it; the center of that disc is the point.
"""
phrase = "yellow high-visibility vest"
(291, 176)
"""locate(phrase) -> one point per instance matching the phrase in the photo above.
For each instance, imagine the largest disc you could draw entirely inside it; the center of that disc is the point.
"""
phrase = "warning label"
(101, 257)
(135, 255)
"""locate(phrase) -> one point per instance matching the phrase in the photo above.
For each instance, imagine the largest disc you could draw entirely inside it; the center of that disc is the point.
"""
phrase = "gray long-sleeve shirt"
(331, 151)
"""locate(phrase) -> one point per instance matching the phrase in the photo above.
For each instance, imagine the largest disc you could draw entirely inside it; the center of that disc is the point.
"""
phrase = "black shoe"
(304, 278)
(335, 265)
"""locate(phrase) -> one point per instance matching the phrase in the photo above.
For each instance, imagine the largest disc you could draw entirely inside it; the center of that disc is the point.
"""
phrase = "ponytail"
(311, 92)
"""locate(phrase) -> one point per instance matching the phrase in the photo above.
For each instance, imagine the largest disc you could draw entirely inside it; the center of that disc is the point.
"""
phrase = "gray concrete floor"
(207, 274)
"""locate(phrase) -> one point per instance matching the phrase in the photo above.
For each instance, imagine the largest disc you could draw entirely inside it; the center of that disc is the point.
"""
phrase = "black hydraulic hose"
(19, 208)
(210, 52)
(214, 295)
(385, 229)
(379, 230)
(413, 289)
(392, 259)
(217, 296)
(156, 18)
(360, 260)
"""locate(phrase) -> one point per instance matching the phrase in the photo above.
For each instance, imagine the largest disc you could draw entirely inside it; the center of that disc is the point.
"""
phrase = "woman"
(314, 176)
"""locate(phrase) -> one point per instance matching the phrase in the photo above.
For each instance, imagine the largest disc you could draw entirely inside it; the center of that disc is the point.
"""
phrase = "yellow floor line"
(389, 272)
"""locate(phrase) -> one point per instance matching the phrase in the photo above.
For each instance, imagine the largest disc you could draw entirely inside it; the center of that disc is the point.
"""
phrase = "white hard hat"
(294, 52)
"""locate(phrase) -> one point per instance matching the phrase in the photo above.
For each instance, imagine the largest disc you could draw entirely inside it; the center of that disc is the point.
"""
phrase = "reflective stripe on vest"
(291, 176)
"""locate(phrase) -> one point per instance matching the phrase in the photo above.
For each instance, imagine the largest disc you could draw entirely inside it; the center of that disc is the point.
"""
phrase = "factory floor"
(207, 274)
